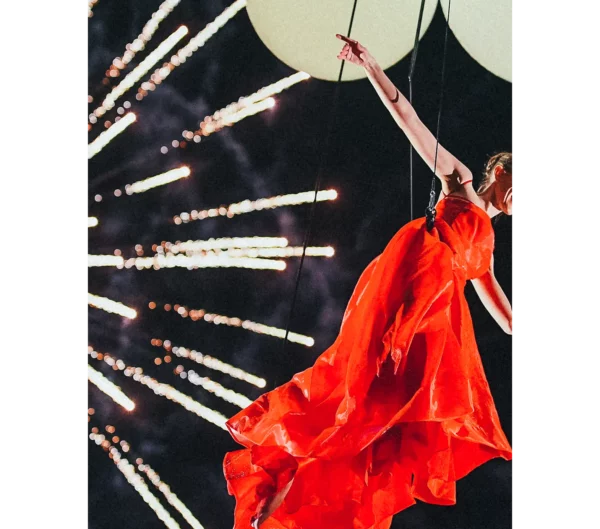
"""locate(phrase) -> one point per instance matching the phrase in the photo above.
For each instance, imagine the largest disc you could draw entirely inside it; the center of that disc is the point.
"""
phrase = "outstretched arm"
(494, 299)
(448, 167)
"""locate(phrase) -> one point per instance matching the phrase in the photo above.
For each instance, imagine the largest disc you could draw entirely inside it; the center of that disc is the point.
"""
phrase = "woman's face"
(503, 191)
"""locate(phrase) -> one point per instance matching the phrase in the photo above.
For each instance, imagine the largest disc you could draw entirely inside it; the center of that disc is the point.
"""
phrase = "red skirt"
(397, 409)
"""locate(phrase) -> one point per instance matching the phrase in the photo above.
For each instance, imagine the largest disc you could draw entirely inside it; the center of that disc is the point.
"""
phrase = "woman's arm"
(494, 299)
(448, 167)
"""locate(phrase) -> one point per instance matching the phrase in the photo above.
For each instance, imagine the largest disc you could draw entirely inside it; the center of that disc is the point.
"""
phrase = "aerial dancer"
(398, 408)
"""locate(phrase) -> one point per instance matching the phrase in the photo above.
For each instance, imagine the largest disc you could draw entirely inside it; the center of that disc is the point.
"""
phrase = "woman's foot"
(268, 506)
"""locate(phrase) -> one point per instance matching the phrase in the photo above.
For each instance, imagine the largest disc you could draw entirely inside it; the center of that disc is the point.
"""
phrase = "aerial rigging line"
(323, 159)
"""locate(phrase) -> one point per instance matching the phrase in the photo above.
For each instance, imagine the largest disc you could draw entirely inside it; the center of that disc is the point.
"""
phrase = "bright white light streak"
(278, 333)
(164, 390)
(251, 110)
(244, 107)
(111, 306)
(275, 88)
(248, 101)
(216, 364)
(138, 483)
(256, 253)
(108, 135)
(218, 390)
(170, 496)
(144, 37)
(112, 390)
(158, 180)
(226, 242)
(191, 262)
(92, 222)
(211, 124)
(290, 251)
(105, 260)
(203, 261)
(184, 400)
(140, 70)
(248, 206)
(152, 475)
(218, 319)
(196, 42)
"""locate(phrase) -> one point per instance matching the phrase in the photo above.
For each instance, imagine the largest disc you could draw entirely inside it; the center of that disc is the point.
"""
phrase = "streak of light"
(111, 306)
(224, 243)
(218, 319)
(112, 390)
(158, 180)
(92, 222)
(108, 135)
(140, 70)
(229, 119)
(290, 251)
(161, 389)
(105, 260)
(135, 480)
(212, 363)
(217, 389)
(248, 206)
(203, 261)
(143, 38)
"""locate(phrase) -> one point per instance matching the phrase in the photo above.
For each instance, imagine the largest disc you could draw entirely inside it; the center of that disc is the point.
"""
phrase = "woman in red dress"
(398, 408)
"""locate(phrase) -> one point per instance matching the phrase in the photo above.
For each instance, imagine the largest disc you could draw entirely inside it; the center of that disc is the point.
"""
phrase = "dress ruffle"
(396, 409)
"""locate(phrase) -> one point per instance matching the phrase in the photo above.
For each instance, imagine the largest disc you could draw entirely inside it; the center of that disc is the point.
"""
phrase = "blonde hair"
(504, 160)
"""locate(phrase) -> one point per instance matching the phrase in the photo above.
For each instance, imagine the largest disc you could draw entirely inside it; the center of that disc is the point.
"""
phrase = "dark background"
(275, 152)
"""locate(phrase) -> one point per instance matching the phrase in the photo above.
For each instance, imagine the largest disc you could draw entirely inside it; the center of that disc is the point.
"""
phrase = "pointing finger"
(345, 39)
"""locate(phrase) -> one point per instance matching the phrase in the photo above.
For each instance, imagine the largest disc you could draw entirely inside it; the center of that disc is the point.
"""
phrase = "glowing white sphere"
(301, 33)
(484, 29)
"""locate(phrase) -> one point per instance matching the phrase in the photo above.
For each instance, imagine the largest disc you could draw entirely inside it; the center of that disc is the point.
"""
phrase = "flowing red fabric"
(397, 409)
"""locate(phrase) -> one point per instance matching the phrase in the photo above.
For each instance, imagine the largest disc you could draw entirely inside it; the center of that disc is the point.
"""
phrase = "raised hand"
(352, 51)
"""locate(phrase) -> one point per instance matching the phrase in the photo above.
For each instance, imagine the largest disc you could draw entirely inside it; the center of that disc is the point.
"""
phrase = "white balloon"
(301, 33)
(484, 29)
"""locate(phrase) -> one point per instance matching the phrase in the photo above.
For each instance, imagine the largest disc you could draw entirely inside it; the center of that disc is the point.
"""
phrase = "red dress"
(398, 408)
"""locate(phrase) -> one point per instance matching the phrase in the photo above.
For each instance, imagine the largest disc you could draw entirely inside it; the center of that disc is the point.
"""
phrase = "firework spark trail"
(250, 258)
(259, 328)
(223, 243)
(211, 363)
(105, 260)
(216, 389)
(92, 222)
(229, 119)
(290, 251)
(160, 74)
(245, 106)
(112, 390)
(170, 496)
(143, 38)
(108, 135)
(149, 472)
(204, 261)
(260, 96)
(193, 45)
(191, 247)
(111, 306)
(248, 206)
(136, 74)
(158, 180)
(135, 480)
(164, 390)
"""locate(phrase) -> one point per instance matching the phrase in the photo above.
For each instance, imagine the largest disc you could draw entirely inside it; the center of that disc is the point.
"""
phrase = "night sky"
(275, 152)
